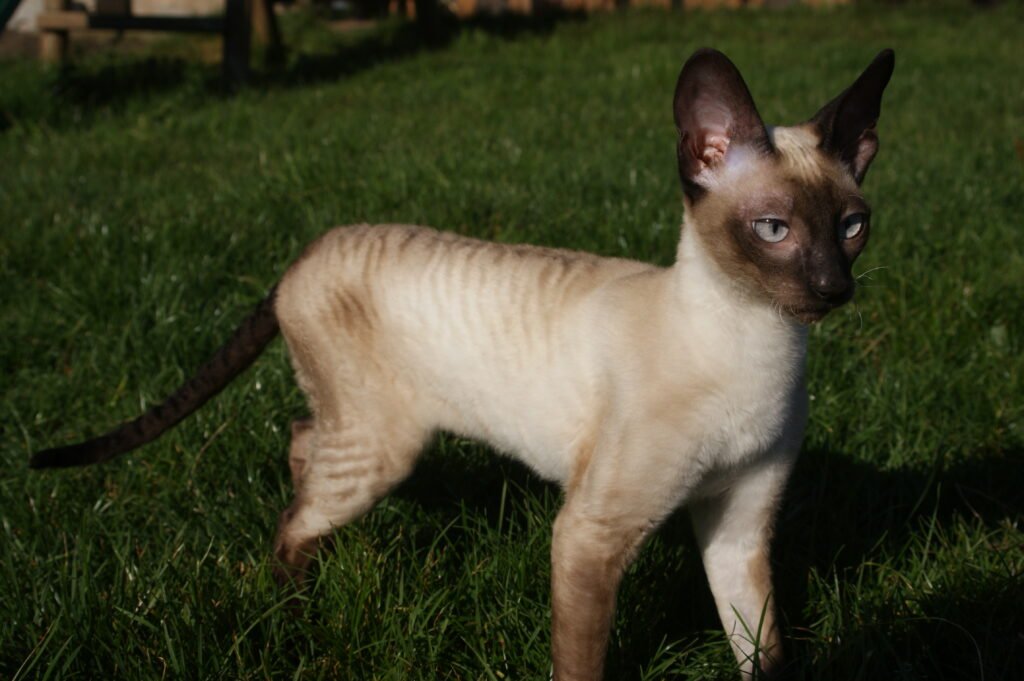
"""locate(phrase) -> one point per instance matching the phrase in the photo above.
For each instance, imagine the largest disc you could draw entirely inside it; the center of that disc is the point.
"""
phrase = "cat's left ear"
(847, 123)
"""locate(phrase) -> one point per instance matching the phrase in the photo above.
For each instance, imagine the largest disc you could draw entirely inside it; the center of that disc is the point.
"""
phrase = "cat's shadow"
(838, 515)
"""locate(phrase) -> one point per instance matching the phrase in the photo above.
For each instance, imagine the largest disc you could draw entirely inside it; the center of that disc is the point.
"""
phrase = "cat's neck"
(717, 303)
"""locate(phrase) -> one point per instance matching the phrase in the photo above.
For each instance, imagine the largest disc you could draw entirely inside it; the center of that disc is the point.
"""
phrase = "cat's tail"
(234, 357)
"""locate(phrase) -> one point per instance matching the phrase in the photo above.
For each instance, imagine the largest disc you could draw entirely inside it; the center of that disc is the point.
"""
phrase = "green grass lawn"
(142, 214)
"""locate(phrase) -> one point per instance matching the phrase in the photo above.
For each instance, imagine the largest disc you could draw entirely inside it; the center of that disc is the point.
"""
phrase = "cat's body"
(542, 353)
(637, 388)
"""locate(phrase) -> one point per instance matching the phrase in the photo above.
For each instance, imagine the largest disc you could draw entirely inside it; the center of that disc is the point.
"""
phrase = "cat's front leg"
(589, 553)
(733, 530)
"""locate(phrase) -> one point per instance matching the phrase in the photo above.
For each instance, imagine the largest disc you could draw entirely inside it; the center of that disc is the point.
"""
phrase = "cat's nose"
(835, 290)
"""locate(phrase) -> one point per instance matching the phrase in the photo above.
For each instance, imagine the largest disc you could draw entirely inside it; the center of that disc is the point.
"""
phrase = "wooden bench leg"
(264, 25)
(236, 42)
(53, 45)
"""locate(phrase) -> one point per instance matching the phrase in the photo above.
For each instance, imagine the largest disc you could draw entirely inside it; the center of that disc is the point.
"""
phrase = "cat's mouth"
(811, 313)
(811, 309)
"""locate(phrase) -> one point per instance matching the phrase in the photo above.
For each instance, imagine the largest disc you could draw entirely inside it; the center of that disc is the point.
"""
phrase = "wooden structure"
(60, 19)
(465, 8)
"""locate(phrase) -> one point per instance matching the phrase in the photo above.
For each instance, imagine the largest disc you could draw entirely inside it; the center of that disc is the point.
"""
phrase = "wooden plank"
(76, 20)
(113, 7)
(67, 20)
(171, 24)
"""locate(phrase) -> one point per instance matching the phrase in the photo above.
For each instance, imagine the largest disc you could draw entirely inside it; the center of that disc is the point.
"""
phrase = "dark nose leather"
(832, 289)
(828, 273)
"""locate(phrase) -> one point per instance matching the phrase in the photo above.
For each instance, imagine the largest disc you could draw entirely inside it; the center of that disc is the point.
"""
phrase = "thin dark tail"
(234, 357)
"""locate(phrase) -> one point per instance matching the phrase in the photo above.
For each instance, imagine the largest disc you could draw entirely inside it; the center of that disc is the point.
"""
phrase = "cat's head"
(779, 210)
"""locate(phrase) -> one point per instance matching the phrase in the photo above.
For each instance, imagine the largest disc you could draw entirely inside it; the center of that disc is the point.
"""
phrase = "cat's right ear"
(847, 123)
(715, 115)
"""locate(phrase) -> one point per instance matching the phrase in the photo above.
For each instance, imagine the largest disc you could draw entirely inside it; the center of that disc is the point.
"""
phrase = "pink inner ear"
(713, 119)
(713, 148)
(867, 147)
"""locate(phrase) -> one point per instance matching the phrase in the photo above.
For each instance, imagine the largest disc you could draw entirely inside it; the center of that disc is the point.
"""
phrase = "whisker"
(860, 317)
(867, 272)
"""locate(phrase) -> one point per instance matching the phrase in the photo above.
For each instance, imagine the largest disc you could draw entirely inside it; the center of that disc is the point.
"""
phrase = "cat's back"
(423, 267)
(375, 247)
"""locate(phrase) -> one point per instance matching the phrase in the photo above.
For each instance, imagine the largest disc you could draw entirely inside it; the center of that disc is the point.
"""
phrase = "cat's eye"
(853, 225)
(771, 230)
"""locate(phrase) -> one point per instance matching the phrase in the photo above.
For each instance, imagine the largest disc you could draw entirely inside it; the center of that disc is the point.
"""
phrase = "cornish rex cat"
(638, 388)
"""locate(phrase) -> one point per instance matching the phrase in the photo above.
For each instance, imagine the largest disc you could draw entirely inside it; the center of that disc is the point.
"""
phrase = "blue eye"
(853, 225)
(771, 230)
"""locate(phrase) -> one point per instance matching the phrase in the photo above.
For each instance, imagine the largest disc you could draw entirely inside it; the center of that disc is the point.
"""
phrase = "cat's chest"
(749, 417)
(754, 403)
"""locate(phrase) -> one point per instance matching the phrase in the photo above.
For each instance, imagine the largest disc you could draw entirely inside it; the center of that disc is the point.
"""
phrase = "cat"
(639, 389)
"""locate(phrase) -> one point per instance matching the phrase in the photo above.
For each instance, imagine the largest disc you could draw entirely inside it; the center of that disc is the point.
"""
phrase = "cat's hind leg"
(298, 452)
(340, 473)
(364, 436)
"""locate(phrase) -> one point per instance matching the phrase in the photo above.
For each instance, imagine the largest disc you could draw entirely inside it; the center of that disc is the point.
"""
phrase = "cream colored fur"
(637, 388)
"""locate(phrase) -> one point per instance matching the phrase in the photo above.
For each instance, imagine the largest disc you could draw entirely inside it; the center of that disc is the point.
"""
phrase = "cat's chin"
(810, 315)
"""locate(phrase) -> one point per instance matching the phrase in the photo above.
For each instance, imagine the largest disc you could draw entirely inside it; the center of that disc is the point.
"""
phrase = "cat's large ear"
(715, 115)
(847, 123)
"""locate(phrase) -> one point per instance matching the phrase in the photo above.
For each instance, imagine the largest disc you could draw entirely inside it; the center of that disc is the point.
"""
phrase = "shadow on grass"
(437, 31)
(841, 515)
(81, 89)
(969, 630)
(446, 485)
(838, 516)
(114, 84)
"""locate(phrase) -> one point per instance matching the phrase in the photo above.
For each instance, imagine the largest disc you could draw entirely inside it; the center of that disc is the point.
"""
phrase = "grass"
(143, 213)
